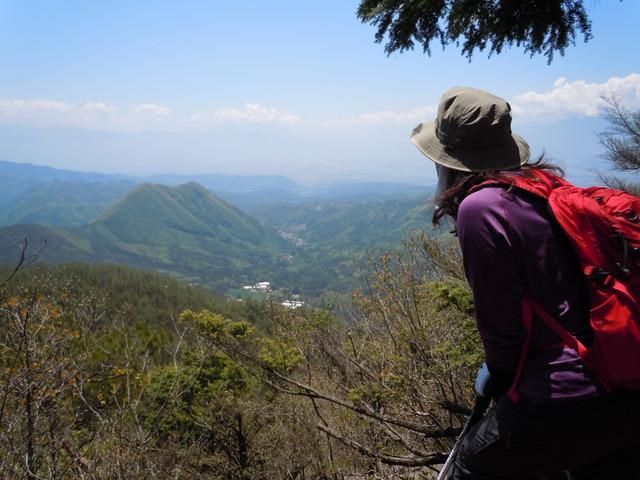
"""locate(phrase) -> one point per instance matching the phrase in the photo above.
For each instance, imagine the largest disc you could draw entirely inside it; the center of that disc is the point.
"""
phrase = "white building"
(259, 287)
(292, 304)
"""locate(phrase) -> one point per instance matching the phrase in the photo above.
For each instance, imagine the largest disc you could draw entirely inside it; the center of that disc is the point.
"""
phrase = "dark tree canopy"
(539, 26)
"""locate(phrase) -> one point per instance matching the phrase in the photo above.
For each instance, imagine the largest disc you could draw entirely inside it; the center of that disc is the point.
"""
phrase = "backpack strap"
(538, 183)
(568, 339)
(529, 307)
(527, 321)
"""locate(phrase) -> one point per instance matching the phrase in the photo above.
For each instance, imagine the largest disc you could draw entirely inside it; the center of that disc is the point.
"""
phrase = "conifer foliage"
(546, 27)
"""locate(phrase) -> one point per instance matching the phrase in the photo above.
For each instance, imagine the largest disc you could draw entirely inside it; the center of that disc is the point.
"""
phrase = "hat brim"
(512, 154)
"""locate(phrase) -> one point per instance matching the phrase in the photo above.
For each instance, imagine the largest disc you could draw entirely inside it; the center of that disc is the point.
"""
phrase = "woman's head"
(471, 141)
(471, 133)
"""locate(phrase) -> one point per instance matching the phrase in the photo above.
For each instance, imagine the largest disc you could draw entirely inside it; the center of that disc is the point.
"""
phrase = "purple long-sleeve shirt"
(511, 247)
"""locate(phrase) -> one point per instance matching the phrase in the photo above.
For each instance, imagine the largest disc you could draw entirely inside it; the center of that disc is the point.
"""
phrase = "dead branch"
(24, 259)
(431, 459)
(310, 392)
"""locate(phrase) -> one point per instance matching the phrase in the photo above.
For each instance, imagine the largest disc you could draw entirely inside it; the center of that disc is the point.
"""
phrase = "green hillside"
(184, 230)
(348, 226)
(154, 299)
(155, 215)
(334, 239)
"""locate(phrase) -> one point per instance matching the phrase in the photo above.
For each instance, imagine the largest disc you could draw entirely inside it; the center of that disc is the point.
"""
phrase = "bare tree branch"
(431, 459)
(24, 260)
(310, 392)
(621, 140)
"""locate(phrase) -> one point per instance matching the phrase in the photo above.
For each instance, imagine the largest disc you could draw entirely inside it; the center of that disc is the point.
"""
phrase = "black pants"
(596, 438)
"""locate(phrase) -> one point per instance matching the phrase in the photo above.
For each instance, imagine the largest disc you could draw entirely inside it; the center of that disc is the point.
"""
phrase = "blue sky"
(278, 87)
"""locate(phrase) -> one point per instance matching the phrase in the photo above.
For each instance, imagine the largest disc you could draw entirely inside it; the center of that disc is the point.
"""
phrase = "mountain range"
(311, 243)
(20, 179)
(241, 190)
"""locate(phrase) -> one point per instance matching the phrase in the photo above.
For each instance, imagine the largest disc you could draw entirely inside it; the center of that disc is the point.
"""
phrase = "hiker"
(551, 413)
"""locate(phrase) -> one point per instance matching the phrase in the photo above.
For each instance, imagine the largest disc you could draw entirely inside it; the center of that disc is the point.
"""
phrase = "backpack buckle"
(597, 274)
(624, 267)
(631, 215)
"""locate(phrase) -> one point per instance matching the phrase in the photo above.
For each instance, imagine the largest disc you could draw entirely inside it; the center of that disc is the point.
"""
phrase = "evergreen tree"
(539, 27)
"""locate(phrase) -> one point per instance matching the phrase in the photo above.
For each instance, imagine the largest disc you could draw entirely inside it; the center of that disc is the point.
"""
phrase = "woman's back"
(512, 247)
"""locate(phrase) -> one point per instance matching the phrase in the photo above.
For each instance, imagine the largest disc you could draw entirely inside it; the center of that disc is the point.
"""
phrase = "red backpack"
(603, 225)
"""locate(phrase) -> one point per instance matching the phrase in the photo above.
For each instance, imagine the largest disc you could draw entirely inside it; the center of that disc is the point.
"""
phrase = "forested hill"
(185, 230)
(155, 215)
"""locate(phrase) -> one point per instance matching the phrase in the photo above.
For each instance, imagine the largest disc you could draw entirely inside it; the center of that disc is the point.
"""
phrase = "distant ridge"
(232, 183)
(62, 203)
(46, 173)
(17, 178)
(245, 191)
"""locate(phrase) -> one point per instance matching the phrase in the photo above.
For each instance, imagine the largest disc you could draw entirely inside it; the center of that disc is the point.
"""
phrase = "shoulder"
(482, 220)
(494, 212)
(483, 204)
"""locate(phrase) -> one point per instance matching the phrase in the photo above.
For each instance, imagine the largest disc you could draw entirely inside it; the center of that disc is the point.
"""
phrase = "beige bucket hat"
(472, 133)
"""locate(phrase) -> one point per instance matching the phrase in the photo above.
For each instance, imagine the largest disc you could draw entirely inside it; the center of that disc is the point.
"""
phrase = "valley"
(314, 244)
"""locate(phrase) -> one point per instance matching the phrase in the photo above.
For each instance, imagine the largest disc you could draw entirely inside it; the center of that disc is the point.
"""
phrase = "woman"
(556, 416)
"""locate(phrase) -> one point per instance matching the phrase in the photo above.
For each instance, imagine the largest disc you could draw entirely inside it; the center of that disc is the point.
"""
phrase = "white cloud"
(410, 116)
(577, 98)
(27, 107)
(100, 115)
(54, 113)
(566, 99)
(100, 108)
(251, 113)
(93, 114)
(157, 111)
